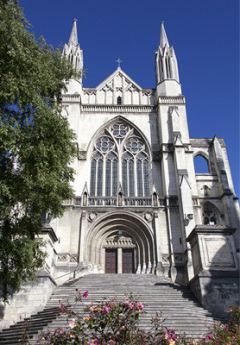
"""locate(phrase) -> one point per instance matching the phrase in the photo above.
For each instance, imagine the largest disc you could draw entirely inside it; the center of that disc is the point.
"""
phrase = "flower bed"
(117, 323)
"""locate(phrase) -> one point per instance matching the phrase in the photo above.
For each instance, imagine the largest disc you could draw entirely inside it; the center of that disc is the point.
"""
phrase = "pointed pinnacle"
(73, 37)
(163, 37)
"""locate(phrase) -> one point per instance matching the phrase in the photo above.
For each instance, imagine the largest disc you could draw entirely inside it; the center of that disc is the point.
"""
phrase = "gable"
(118, 88)
(119, 80)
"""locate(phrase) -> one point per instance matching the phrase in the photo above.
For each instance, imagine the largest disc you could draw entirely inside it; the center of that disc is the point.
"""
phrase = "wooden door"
(111, 261)
(127, 261)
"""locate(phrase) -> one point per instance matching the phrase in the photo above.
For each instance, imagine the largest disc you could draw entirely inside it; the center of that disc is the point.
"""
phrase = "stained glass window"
(120, 156)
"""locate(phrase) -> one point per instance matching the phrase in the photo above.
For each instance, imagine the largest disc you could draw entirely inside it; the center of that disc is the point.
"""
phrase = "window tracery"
(209, 215)
(119, 156)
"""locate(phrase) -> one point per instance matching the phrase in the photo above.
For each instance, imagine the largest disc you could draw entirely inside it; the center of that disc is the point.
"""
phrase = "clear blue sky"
(205, 36)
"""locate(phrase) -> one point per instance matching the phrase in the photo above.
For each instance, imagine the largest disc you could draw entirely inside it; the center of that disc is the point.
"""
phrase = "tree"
(36, 144)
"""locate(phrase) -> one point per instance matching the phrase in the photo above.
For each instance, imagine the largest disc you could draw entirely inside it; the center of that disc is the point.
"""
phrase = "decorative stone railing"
(138, 201)
(88, 108)
(172, 100)
(86, 201)
(102, 201)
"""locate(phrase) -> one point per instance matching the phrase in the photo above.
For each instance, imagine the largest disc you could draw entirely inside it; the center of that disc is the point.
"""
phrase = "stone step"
(178, 306)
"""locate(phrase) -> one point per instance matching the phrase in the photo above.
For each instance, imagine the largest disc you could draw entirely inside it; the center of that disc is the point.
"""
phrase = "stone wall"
(31, 299)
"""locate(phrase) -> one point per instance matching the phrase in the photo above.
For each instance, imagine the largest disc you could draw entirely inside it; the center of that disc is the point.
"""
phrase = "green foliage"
(228, 334)
(36, 144)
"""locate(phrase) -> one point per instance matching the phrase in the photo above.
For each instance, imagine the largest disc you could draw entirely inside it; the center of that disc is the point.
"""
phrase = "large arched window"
(120, 155)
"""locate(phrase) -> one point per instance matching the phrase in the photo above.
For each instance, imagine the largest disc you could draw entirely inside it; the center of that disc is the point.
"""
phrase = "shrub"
(116, 323)
(226, 334)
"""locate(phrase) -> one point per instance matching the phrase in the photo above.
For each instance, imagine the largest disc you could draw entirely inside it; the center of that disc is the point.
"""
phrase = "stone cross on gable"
(119, 62)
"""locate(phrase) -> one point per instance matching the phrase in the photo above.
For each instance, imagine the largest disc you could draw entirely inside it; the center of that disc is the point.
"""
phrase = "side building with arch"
(140, 205)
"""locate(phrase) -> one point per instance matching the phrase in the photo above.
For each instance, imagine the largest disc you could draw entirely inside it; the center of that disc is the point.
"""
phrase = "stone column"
(159, 267)
(83, 229)
(119, 260)
(184, 187)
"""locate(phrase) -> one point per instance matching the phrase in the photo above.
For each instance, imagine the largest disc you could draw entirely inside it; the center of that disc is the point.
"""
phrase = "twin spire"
(73, 39)
(163, 37)
(72, 50)
(165, 58)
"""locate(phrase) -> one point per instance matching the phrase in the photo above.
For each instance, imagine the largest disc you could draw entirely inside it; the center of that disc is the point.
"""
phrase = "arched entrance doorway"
(120, 253)
(120, 243)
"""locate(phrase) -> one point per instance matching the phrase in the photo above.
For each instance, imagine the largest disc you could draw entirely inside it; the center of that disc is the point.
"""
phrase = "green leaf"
(36, 144)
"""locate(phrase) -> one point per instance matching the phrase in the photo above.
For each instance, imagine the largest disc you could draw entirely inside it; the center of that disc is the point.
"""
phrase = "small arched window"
(119, 100)
(201, 165)
(209, 215)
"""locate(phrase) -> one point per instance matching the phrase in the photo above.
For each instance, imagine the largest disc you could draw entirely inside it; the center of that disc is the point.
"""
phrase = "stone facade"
(139, 205)
(136, 186)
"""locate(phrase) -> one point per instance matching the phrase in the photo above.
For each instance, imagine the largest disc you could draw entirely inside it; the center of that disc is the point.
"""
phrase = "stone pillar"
(216, 280)
(119, 260)
(232, 216)
(159, 266)
(83, 229)
(184, 187)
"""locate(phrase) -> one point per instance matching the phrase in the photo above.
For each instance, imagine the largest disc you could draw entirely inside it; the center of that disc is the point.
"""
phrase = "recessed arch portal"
(135, 234)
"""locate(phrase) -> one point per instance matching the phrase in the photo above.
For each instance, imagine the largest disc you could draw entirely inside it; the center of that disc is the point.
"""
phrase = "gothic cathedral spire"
(166, 66)
(163, 37)
(72, 50)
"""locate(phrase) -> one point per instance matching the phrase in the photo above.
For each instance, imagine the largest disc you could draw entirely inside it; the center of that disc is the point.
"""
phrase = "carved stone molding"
(82, 155)
(71, 98)
(62, 257)
(165, 258)
(92, 216)
(74, 258)
(122, 242)
(179, 257)
(148, 216)
(118, 108)
(167, 147)
(172, 100)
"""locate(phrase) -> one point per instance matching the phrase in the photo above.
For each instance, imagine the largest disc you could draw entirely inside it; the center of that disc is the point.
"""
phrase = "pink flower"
(72, 324)
(210, 336)
(111, 342)
(140, 306)
(105, 310)
(85, 294)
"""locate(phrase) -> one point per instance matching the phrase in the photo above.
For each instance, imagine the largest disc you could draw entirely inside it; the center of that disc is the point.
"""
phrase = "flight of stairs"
(178, 306)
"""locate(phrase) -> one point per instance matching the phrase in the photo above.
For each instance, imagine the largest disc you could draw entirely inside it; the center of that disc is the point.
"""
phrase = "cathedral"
(139, 206)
